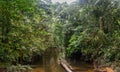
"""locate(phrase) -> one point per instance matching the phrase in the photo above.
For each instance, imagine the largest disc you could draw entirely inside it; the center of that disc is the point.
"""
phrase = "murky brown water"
(38, 69)
(50, 64)
(78, 67)
(49, 69)
(82, 67)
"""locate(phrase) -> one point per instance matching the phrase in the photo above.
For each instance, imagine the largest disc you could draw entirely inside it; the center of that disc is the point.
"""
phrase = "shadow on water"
(38, 69)
(50, 63)
(81, 66)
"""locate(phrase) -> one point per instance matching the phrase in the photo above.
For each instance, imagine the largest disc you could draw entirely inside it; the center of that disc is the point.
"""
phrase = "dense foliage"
(21, 30)
(90, 29)
(84, 29)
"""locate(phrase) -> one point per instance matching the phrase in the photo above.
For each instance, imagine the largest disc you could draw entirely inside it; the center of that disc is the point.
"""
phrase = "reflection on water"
(81, 67)
(77, 67)
(55, 69)
(50, 64)
(38, 69)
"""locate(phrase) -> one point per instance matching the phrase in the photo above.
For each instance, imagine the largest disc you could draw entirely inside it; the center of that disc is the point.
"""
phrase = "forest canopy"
(84, 29)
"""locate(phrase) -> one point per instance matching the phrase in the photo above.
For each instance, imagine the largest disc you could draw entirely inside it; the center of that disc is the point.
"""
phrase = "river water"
(50, 64)
(82, 67)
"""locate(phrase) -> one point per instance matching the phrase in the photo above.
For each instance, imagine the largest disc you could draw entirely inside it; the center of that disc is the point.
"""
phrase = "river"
(50, 64)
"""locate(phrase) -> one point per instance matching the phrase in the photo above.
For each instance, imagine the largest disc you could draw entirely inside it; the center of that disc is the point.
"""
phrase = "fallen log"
(65, 66)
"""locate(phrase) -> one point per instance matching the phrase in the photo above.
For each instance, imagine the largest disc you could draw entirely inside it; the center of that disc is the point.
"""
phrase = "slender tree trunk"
(100, 23)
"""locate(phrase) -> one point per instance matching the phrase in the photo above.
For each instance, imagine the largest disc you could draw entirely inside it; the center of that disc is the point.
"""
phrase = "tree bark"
(65, 66)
